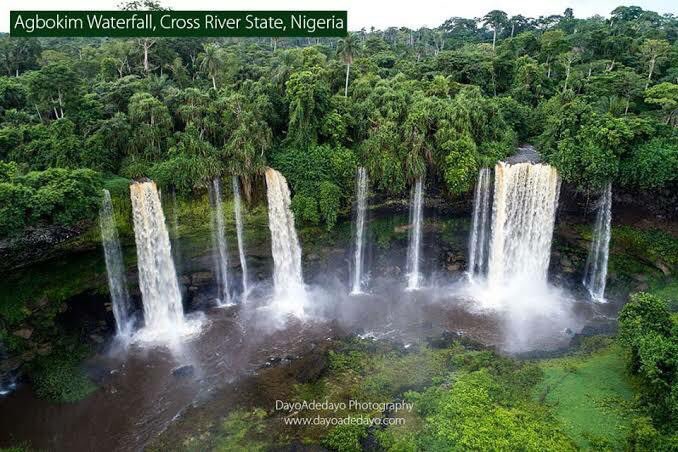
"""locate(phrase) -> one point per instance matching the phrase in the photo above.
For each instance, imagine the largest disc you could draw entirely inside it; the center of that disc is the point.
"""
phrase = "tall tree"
(495, 19)
(348, 49)
(211, 62)
(653, 51)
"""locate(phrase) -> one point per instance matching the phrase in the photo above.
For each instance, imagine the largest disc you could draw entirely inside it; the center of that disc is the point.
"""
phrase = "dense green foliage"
(597, 95)
(52, 196)
(651, 336)
(464, 397)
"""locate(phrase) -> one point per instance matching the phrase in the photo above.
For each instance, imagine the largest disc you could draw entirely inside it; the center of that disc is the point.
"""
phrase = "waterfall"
(595, 273)
(523, 216)
(361, 210)
(176, 250)
(237, 208)
(414, 246)
(163, 311)
(480, 227)
(115, 268)
(220, 252)
(290, 294)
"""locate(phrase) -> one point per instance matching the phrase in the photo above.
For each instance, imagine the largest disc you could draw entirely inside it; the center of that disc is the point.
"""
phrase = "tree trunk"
(214, 83)
(494, 37)
(567, 76)
(626, 110)
(649, 75)
(513, 28)
(145, 57)
(348, 68)
(548, 67)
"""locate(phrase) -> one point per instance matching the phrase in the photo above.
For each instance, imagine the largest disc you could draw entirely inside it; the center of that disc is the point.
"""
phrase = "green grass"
(666, 288)
(591, 395)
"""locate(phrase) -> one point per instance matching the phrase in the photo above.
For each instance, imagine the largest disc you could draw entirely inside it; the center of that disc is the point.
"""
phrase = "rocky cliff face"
(36, 245)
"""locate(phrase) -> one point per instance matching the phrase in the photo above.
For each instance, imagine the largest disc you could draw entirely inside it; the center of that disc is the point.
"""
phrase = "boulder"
(24, 333)
(183, 371)
(453, 267)
(201, 278)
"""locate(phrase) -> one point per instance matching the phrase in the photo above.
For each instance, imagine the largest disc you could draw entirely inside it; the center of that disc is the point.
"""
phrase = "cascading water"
(525, 199)
(289, 291)
(176, 250)
(115, 268)
(361, 210)
(595, 274)
(220, 252)
(414, 246)
(163, 311)
(237, 209)
(523, 216)
(480, 228)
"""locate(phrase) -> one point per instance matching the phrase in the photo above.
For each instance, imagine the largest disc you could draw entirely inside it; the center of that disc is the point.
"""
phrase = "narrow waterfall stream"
(359, 242)
(115, 267)
(176, 249)
(237, 210)
(480, 226)
(289, 290)
(414, 244)
(220, 253)
(595, 273)
(163, 311)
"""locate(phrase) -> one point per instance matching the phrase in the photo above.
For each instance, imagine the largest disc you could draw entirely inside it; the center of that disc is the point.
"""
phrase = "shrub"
(14, 202)
(328, 203)
(461, 164)
(345, 438)
(54, 196)
(319, 188)
(646, 329)
(63, 196)
(468, 417)
(651, 165)
(305, 208)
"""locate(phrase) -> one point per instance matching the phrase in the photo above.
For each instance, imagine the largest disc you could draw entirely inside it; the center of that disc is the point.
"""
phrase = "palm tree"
(495, 18)
(348, 49)
(211, 62)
